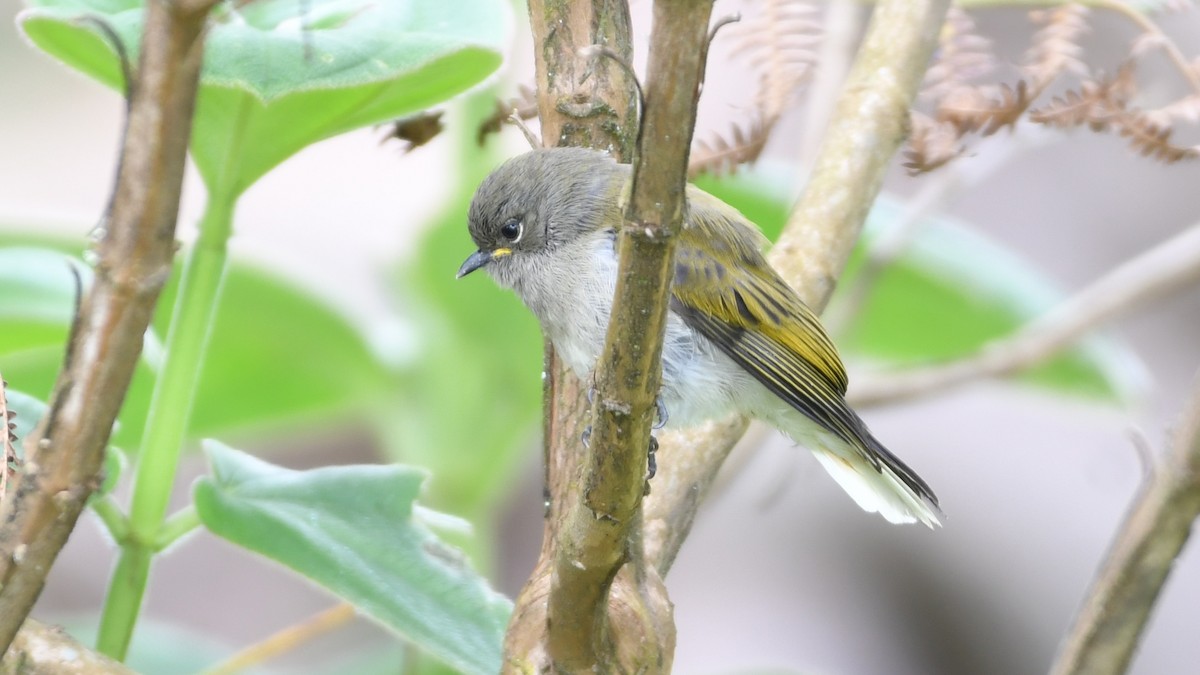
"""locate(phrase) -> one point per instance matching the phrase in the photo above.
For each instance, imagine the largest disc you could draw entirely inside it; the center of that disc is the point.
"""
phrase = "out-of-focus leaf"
(470, 402)
(358, 532)
(278, 355)
(280, 75)
(949, 293)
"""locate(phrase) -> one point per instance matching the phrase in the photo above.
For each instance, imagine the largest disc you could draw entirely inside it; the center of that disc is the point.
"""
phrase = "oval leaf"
(358, 532)
(280, 75)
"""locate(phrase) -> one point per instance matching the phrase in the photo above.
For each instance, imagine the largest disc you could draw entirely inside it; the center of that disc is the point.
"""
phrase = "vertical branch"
(1114, 614)
(600, 110)
(66, 452)
(867, 129)
(584, 102)
(600, 530)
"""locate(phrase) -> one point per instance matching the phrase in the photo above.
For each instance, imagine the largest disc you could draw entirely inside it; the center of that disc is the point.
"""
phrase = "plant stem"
(178, 524)
(166, 425)
(110, 514)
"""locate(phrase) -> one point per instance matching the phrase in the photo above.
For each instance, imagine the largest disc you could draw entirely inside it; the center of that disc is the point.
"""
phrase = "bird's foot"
(586, 436)
(651, 463)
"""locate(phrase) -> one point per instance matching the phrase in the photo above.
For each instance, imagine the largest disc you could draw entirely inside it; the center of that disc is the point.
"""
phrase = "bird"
(738, 338)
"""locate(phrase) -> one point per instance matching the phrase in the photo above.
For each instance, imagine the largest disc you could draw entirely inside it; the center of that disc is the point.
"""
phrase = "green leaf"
(280, 75)
(358, 532)
(278, 355)
(952, 291)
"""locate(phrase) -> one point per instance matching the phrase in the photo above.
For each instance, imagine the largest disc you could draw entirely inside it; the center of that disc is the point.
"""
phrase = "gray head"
(537, 202)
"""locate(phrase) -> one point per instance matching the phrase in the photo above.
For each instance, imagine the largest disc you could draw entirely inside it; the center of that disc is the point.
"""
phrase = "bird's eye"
(512, 230)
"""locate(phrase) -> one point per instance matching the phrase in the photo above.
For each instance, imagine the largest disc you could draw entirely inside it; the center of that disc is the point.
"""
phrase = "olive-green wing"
(742, 305)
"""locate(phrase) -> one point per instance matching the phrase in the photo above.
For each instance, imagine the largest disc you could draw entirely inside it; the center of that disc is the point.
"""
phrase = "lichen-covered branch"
(867, 128)
(1114, 614)
(65, 453)
(581, 101)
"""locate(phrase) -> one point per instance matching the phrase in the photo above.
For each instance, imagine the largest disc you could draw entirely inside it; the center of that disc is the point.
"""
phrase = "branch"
(595, 541)
(67, 449)
(1167, 267)
(39, 649)
(867, 129)
(584, 102)
(1108, 626)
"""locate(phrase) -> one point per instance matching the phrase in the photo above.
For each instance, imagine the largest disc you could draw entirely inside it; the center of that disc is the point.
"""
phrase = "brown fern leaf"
(524, 104)
(1151, 140)
(1055, 49)
(931, 144)
(720, 154)
(984, 109)
(780, 44)
(962, 55)
(1097, 103)
(1186, 109)
(8, 438)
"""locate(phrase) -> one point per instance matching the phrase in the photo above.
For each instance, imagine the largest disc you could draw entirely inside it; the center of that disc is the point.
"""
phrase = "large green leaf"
(950, 292)
(358, 532)
(279, 75)
(278, 355)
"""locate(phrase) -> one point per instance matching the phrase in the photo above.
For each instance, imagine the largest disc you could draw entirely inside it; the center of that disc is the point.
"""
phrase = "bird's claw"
(661, 416)
(586, 436)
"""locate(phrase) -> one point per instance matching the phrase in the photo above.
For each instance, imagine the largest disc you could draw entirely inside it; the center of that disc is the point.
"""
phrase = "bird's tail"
(875, 478)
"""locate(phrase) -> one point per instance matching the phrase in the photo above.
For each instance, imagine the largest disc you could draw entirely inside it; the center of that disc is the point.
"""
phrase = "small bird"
(738, 338)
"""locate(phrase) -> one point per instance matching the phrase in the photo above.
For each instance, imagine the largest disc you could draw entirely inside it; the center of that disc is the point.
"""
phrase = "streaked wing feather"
(787, 349)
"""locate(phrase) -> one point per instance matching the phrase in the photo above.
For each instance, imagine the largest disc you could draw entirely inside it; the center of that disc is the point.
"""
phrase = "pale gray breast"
(572, 299)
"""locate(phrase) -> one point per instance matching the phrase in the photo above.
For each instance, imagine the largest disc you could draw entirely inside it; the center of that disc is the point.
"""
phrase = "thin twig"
(1167, 267)
(1114, 614)
(285, 640)
(867, 129)
(134, 261)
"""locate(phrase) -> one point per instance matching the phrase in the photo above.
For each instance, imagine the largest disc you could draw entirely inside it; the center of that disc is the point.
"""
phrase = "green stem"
(166, 424)
(178, 524)
(111, 515)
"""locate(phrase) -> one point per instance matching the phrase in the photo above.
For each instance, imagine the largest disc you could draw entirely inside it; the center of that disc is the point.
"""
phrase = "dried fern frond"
(931, 144)
(415, 130)
(985, 109)
(1097, 103)
(1151, 140)
(1056, 49)
(1186, 109)
(724, 154)
(524, 105)
(780, 43)
(962, 55)
(8, 439)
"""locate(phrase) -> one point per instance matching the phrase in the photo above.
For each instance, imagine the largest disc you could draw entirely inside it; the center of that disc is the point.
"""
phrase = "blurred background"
(782, 572)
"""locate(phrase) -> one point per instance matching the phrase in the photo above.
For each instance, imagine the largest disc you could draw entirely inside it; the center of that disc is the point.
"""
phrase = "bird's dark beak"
(473, 262)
